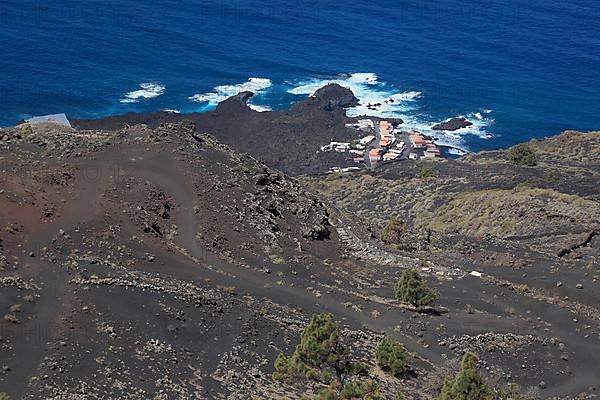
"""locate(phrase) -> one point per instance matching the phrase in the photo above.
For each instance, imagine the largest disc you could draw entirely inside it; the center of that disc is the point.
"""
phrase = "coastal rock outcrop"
(286, 140)
(335, 96)
(239, 102)
(452, 124)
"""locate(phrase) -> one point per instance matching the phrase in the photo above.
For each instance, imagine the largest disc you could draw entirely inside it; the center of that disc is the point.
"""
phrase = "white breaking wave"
(378, 99)
(375, 97)
(148, 90)
(455, 139)
(171, 111)
(480, 116)
(456, 152)
(364, 77)
(258, 108)
(223, 92)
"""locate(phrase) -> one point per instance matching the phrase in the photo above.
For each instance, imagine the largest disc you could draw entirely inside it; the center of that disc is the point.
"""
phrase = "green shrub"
(467, 384)
(396, 234)
(513, 392)
(522, 155)
(368, 390)
(412, 289)
(4, 396)
(26, 129)
(426, 173)
(395, 230)
(326, 394)
(392, 356)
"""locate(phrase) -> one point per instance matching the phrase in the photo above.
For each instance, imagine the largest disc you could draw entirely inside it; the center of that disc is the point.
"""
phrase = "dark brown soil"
(155, 262)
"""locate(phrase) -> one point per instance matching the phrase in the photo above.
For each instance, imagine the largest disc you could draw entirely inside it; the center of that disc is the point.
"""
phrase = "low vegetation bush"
(391, 356)
(394, 230)
(426, 173)
(412, 289)
(522, 155)
(4, 396)
(368, 390)
(396, 233)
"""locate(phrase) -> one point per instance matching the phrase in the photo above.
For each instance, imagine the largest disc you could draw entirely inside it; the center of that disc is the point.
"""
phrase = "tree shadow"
(433, 312)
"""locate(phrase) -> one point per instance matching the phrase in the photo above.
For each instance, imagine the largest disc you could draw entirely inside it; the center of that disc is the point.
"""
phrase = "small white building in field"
(60, 119)
(367, 139)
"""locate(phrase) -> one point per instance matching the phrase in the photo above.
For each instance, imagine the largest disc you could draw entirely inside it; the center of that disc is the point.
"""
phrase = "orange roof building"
(375, 155)
(385, 142)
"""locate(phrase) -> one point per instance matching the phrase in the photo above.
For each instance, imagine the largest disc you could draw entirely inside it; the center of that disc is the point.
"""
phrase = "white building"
(60, 119)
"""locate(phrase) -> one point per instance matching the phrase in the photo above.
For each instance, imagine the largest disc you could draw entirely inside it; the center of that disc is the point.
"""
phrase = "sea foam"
(457, 139)
(148, 90)
(220, 93)
(376, 98)
(258, 108)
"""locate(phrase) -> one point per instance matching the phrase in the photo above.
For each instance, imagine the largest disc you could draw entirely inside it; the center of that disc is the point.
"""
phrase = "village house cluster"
(383, 142)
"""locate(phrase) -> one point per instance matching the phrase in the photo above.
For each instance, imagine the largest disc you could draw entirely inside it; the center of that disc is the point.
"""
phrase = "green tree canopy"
(392, 356)
(367, 390)
(412, 289)
(467, 384)
(522, 155)
(321, 355)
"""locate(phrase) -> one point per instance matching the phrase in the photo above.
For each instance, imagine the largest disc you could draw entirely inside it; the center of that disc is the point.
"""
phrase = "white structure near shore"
(60, 119)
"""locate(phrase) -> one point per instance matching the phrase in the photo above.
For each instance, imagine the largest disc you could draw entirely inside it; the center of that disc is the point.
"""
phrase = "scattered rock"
(452, 124)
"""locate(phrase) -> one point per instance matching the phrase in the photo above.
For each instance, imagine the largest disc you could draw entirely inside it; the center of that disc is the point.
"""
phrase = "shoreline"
(316, 120)
(310, 124)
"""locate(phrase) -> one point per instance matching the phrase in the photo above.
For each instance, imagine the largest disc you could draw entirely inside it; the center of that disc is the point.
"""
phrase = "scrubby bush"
(4, 396)
(394, 231)
(522, 155)
(26, 129)
(513, 392)
(412, 289)
(396, 234)
(392, 357)
(467, 384)
(426, 173)
(368, 390)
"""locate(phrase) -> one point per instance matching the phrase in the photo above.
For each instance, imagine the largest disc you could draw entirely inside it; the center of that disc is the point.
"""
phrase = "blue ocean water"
(518, 69)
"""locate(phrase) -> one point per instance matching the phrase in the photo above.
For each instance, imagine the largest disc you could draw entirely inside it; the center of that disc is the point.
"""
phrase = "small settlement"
(382, 142)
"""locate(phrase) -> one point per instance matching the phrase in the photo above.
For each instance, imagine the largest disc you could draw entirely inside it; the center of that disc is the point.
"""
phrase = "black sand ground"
(160, 264)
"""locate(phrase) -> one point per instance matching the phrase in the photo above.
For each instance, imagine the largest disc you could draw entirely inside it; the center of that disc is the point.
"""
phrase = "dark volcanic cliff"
(286, 140)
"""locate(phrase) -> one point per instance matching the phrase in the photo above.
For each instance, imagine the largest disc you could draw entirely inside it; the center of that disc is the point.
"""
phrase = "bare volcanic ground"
(532, 230)
(157, 263)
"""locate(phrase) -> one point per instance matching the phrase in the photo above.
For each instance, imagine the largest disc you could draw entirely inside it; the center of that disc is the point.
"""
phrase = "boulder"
(317, 232)
(452, 124)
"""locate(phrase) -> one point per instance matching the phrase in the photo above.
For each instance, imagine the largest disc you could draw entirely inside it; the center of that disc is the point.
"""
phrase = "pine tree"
(467, 384)
(321, 355)
(412, 289)
(392, 356)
